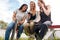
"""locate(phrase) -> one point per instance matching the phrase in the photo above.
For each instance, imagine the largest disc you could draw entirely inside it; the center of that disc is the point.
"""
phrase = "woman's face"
(39, 4)
(32, 5)
(24, 8)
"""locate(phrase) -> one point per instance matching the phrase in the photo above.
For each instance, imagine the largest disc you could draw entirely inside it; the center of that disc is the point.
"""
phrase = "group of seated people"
(32, 21)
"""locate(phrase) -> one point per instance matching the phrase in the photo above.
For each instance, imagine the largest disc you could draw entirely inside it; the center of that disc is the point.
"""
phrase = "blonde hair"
(34, 5)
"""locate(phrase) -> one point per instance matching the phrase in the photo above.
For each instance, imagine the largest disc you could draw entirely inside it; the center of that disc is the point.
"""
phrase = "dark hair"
(23, 6)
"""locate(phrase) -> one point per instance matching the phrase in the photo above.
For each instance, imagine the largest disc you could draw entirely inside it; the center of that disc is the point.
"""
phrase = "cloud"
(4, 10)
(23, 1)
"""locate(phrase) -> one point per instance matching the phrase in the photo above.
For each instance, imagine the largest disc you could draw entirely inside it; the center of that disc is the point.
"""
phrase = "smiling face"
(32, 5)
(39, 3)
(24, 8)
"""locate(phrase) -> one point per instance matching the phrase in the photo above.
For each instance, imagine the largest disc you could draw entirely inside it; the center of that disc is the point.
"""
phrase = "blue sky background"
(8, 6)
(14, 4)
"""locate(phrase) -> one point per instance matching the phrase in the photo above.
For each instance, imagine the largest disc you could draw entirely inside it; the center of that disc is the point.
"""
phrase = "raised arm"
(47, 11)
(45, 8)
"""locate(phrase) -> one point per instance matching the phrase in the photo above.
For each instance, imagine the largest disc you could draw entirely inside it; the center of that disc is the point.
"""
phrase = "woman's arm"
(21, 22)
(38, 18)
(14, 16)
(47, 11)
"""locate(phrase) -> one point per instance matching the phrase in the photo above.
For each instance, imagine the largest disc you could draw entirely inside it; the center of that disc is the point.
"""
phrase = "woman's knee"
(10, 26)
(31, 23)
(48, 23)
(44, 27)
(26, 25)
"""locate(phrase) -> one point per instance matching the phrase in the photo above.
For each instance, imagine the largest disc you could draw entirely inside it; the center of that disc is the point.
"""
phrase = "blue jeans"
(40, 31)
(10, 27)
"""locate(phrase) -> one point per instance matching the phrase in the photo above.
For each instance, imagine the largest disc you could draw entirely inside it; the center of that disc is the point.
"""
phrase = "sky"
(8, 6)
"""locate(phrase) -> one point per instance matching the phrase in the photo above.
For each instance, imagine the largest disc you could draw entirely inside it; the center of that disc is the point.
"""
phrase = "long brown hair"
(43, 3)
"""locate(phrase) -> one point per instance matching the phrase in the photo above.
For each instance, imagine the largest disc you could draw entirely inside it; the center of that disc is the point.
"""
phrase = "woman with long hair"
(45, 14)
(33, 17)
(19, 15)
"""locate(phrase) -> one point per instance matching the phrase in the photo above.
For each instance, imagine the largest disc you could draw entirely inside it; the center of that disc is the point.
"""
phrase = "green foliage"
(1, 38)
(3, 24)
(23, 39)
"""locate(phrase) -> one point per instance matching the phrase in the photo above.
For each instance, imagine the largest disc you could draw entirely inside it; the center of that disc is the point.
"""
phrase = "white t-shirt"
(20, 15)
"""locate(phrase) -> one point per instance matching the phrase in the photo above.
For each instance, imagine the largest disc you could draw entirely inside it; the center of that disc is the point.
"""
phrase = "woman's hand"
(45, 8)
(46, 11)
(42, 5)
(21, 22)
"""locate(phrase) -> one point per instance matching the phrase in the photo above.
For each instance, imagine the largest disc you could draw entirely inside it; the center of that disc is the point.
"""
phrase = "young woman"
(19, 15)
(33, 17)
(45, 14)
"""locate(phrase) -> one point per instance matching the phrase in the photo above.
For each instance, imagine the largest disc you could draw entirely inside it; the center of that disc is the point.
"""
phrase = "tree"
(3, 24)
